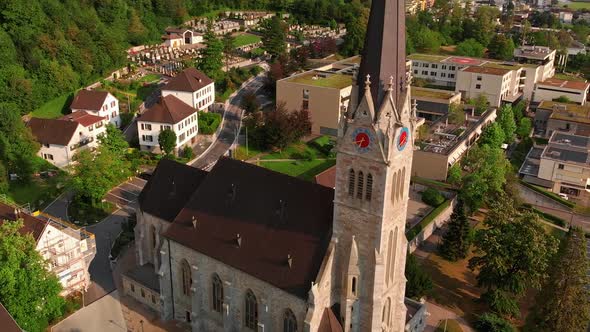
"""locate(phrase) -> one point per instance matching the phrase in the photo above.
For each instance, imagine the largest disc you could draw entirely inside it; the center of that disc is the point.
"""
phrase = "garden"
(232, 81)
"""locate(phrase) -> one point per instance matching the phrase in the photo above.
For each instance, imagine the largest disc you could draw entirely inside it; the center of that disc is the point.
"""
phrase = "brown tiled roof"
(52, 131)
(169, 188)
(275, 216)
(327, 178)
(89, 100)
(169, 109)
(574, 85)
(7, 322)
(486, 70)
(189, 80)
(31, 225)
(329, 322)
(82, 117)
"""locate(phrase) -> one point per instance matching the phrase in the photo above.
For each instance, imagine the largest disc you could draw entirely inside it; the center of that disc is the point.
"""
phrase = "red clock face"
(362, 140)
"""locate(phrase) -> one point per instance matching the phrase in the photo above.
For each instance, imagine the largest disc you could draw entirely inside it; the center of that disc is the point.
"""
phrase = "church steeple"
(384, 52)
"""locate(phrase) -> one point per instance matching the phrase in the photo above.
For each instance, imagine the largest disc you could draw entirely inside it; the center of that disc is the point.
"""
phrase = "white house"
(61, 138)
(176, 37)
(67, 249)
(99, 103)
(192, 87)
(553, 88)
(169, 113)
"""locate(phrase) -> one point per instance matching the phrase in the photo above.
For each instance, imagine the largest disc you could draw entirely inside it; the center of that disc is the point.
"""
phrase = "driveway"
(125, 195)
(231, 126)
(102, 315)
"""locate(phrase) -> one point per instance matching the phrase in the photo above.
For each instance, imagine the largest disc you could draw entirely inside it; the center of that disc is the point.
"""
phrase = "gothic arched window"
(393, 257)
(153, 234)
(251, 318)
(351, 178)
(402, 188)
(399, 185)
(289, 321)
(359, 185)
(393, 188)
(185, 272)
(369, 191)
(386, 311)
(217, 293)
(389, 253)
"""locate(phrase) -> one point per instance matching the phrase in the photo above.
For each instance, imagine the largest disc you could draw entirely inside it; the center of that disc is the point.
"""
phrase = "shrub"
(188, 153)
(490, 322)
(432, 197)
(418, 282)
(208, 122)
(126, 118)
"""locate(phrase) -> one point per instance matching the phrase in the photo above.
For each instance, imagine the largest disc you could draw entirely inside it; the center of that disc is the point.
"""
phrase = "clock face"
(403, 138)
(362, 138)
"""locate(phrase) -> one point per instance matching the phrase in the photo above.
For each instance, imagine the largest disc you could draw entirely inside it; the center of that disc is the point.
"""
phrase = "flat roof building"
(433, 103)
(565, 117)
(553, 88)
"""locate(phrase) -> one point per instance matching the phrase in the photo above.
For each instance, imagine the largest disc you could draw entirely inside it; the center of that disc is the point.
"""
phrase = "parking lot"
(126, 193)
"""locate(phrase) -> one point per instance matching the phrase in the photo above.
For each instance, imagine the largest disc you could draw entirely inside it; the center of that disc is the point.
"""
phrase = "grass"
(87, 214)
(556, 232)
(541, 141)
(246, 39)
(240, 152)
(336, 81)
(421, 92)
(518, 156)
(433, 183)
(548, 194)
(149, 78)
(568, 77)
(427, 57)
(40, 190)
(449, 325)
(577, 5)
(303, 169)
(54, 108)
(257, 52)
(412, 233)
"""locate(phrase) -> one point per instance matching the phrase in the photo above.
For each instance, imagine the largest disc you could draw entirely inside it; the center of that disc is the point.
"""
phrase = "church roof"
(254, 220)
(384, 52)
(329, 322)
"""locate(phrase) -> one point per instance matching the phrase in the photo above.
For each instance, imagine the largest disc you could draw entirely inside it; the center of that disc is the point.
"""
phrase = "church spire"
(384, 52)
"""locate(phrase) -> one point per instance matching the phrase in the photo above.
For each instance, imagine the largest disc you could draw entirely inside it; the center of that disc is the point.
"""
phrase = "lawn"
(577, 5)
(303, 169)
(449, 325)
(241, 153)
(39, 192)
(149, 78)
(53, 108)
(246, 39)
(317, 148)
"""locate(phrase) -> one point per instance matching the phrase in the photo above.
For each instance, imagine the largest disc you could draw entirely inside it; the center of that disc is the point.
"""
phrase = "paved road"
(231, 125)
(102, 315)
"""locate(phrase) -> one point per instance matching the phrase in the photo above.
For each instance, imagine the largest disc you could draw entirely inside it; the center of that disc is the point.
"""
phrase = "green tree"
(211, 60)
(512, 254)
(29, 292)
(563, 304)
(432, 197)
(470, 47)
(356, 28)
(506, 121)
(454, 175)
(418, 282)
(524, 127)
(501, 47)
(493, 136)
(18, 148)
(490, 322)
(250, 103)
(274, 36)
(167, 141)
(114, 141)
(455, 243)
(488, 167)
(229, 49)
(456, 114)
(480, 103)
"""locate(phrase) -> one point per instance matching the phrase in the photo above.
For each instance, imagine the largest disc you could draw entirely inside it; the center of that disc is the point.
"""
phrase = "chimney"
(289, 260)
(239, 240)
(194, 221)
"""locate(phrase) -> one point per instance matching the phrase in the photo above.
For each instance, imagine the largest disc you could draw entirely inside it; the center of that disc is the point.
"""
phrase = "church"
(243, 248)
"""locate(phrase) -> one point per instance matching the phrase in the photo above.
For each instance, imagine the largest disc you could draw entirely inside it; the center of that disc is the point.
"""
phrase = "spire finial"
(368, 82)
(390, 85)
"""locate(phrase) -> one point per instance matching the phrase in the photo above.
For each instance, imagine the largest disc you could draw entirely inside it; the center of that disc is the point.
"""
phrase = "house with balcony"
(192, 87)
(67, 249)
(99, 103)
(61, 138)
(499, 83)
(169, 113)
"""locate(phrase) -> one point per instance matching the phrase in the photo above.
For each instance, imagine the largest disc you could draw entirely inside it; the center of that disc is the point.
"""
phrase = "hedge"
(548, 194)
(549, 217)
(433, 183)
(432, 197)
(414, 231)
(208, 122)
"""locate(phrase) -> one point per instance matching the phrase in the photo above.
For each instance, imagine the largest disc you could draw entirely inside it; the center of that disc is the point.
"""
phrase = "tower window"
(359, 185)
(369, 191)
(353, 286)
(351, 178)
(217, 293)
(251, 319)
(185, 272)
(289, 321)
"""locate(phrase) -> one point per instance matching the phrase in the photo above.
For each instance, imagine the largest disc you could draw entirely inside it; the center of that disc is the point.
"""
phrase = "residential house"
(67, 248)
(192, 87)
(553, 116)
(100, 103)
(554, 88)
(538, 64)
(61, 138)
(169, 113)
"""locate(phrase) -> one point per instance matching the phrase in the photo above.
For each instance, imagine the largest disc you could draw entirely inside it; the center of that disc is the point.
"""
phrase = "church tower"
(373, 170)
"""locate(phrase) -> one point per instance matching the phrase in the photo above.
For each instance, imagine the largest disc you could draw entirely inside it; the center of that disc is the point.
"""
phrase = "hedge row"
(549, 217)
(433, 183)
(412, 233)
(548, 194)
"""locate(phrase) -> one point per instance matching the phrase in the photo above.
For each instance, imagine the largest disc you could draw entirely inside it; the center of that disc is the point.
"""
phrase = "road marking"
(127, 191)
(132, 185)
(119, 197)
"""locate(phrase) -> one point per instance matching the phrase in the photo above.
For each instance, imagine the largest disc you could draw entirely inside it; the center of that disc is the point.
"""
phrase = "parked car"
(564, 196)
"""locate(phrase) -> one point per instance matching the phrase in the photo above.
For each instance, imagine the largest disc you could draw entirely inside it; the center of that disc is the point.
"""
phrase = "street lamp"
(141, 322)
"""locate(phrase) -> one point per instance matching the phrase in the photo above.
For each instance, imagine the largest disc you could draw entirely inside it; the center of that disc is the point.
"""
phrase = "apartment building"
(446, 143)
(99, 103)
(553, 116)
(565, 163)
(554, 88)
(497, 82)
(169, 113)
(193, 87)
(67, 248)
(324, 92)
(538, 63)
(433, 103)
(61, 138)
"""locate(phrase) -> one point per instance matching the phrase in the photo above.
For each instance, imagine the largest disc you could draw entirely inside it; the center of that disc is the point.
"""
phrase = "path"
(102, 315)
(232, 123)
(437, 314)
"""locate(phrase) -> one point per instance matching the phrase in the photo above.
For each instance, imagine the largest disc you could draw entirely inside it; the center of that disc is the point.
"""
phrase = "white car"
(564, 196)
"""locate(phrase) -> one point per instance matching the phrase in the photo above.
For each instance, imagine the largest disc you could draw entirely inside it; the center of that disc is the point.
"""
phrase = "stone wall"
(438, 222)
(141, 293)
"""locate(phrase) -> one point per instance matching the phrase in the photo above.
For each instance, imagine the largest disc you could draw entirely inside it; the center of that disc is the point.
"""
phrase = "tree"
(229, 48)
(493, 136)
(432, 197)
(512, 253)
(418, 282)
(480, 103)
(274, 36)
(278, 128)
(470, 47)
(506, 121)
(488, 167)
(563, 304)
(455, 243)
(211, 60)
(167, 141)
(356, 28)
(501, 47)
(114, 141)
(18, 148)
(456, 114)
(250, 103)
(29, 292)
(454, 175)
(524, 127)
(490, 322)
(562, 99)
